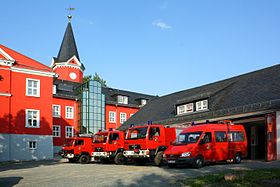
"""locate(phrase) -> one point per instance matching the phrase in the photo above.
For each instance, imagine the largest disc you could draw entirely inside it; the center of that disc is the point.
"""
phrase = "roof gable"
(22, 61)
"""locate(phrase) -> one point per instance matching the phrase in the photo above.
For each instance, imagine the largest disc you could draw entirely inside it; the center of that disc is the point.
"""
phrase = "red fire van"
(208, 143)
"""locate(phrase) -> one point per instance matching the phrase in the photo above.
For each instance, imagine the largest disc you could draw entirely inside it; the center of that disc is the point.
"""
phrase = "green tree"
(87, 78)
(96, 77)
(100, 80)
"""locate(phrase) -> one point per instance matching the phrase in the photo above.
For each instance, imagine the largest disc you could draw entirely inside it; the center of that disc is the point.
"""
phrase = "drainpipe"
(10, 116)
(116, 116)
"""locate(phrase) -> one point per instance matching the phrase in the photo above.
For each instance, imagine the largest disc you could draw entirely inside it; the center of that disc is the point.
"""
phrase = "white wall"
(19, 147)
(4, 147)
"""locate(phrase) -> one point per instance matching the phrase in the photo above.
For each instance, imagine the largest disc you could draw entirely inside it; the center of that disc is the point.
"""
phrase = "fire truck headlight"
(187, 154)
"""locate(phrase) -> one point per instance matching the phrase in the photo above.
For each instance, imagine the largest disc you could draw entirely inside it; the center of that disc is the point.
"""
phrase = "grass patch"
(259, 177)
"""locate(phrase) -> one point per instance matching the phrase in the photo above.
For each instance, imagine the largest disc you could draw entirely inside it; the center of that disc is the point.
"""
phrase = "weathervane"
(69, 15)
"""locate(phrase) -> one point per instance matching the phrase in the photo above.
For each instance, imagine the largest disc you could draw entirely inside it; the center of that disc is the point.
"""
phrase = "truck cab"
(207, 143)
(147, 143)
(77, 149)
(107, 145)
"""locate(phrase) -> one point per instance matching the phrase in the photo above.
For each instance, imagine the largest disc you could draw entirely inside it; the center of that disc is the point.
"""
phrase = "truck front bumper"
(181, 161)
(138, 154)
(100, 154)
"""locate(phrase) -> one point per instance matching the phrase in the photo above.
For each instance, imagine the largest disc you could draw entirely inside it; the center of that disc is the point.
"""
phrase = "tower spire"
(68, 47)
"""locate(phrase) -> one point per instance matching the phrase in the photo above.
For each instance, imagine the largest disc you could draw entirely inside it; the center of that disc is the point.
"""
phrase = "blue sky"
(150, 46)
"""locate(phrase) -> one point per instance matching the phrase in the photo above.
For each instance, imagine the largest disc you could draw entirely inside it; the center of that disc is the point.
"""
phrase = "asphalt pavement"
(59, 172)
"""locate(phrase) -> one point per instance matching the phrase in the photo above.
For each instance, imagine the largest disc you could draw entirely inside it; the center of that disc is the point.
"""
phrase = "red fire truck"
(108, 146)
(147, 143)
(78, 149)
(208, 143)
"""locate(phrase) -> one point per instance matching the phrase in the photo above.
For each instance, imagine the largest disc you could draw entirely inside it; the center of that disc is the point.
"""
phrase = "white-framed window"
(112, 117)
(143, 101)
(54, 89)
(186, 108)
(69, 131)
(32, 145)
(181, 109)
(69, 112)
(56, 130)
(56, 111)
(32, 87)
(189, 107)
(122, 117)
(32, 118)
(122, 99)
(201, 105)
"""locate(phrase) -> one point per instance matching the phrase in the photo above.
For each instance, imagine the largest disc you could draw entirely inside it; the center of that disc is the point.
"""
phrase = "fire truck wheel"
(84, 159)
(159, 158)
(198, 163)
(237, 159)
(72, 160)
(119, 159)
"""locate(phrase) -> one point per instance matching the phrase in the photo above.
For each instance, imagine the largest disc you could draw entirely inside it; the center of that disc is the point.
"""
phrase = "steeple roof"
(68, 46)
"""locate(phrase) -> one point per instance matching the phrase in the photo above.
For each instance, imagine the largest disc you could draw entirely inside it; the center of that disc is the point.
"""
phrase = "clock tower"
(67, 64)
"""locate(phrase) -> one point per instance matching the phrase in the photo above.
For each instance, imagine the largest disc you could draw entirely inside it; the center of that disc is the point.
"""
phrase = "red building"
(69, 71)
(26, 107)
(41, 106)
(121, 105)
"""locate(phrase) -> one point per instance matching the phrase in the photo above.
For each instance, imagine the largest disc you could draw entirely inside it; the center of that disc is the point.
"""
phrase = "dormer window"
(189, 108)
(143, 102)
(201, 105)
(186, 108)
(122, 99)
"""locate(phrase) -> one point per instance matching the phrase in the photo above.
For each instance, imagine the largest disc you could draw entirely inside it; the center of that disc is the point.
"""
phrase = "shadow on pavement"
(9, 181)
(147, 180)
(5, 166)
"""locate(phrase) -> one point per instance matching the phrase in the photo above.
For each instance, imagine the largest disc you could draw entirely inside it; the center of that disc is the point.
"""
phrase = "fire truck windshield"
(68, 142)
(100, 138)
(136, 133)
(186, 138)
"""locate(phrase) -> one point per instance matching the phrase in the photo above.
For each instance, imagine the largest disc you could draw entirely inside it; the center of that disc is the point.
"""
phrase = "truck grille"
(136, 146)
(98, 149)
(172, 156)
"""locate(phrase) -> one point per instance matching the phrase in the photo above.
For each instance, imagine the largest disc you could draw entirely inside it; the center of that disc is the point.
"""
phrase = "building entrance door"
(256, 139)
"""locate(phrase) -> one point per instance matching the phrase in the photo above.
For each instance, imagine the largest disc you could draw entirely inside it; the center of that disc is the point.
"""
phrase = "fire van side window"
(236, 136)
(207, 137)
(220, 136)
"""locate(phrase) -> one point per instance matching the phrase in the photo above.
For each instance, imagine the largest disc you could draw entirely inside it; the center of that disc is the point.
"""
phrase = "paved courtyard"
(62, 173)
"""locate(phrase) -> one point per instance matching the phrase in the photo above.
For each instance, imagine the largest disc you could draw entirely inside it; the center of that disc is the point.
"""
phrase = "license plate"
(171, 161)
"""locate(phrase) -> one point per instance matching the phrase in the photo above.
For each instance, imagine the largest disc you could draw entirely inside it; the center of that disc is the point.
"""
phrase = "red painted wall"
(118, 110)
(62, 121)
(64, 73)
(4, 100)
(20, 102)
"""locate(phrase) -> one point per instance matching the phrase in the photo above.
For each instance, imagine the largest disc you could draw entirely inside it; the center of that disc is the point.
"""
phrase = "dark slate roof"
(251, 92)
(66, 89)
(68, 46)
(133, 97)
